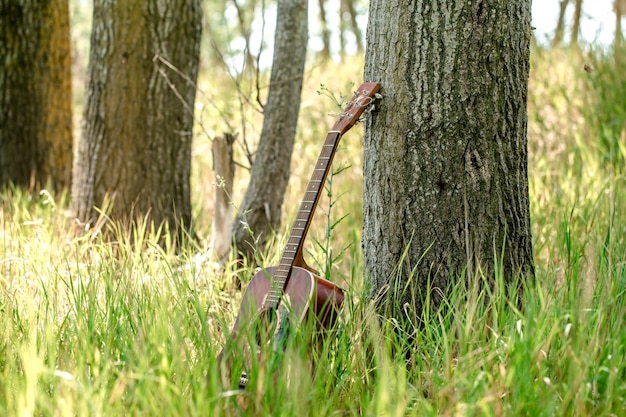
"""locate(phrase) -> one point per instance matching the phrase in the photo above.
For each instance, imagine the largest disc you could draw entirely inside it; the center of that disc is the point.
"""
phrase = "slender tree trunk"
(560, 24)
(260, 212)
(245, 27)
(35, 93)
(354, 27)
(445, 159)
(342, 28)
(619, 7)
(325, 30)
(136, 142)
(578, 9)
(347, 22)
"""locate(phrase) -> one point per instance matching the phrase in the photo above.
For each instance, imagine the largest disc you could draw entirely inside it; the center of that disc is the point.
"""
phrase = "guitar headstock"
(360, 102)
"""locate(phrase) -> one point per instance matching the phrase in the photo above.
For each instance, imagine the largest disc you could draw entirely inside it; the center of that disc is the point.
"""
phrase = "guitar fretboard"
(305, 214)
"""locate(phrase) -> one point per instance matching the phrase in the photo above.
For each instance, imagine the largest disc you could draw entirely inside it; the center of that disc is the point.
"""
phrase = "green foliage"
(127, 327)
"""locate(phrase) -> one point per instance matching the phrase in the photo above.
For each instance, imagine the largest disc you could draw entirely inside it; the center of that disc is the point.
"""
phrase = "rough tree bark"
(445, 158)
(35, 93)
(136, 142)
(260, 212)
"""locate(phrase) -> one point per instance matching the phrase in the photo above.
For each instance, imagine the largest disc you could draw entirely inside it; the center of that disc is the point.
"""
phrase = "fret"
(279, 277)
(272, 295)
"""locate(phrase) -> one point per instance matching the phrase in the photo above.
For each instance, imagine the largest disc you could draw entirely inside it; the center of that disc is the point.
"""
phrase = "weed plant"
(94, 327)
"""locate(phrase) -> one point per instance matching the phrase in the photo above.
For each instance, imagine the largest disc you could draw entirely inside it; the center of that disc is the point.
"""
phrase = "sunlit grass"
(126, 326)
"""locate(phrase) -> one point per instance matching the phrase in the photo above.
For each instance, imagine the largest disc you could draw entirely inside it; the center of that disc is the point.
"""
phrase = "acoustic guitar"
(281, 297)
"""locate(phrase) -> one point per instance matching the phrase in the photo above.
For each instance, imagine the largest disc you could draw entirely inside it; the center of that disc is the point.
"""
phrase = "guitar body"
(303, 293)
(306, 296)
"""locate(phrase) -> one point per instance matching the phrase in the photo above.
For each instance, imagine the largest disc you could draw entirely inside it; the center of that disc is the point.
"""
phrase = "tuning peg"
(368, 110)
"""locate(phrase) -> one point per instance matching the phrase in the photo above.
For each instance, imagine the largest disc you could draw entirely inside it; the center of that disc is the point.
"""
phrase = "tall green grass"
(126, 326)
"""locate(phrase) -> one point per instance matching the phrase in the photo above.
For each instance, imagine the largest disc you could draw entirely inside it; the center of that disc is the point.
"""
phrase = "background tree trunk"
(136, 141)
(560, 24)
(325, 53)
(619, 6)
(445, 159)
(35, 93)
(578, 11)
(349, 14)
(260, 212)
(245, 18)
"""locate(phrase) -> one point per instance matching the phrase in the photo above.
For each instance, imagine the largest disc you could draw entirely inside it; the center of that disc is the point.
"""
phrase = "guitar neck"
(361, 101)
(303, 219)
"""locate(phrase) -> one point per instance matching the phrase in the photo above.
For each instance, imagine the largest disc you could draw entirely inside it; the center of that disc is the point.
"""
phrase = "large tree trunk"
(260, 212)
(136, 142)
(445, 159)
(35, 93)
